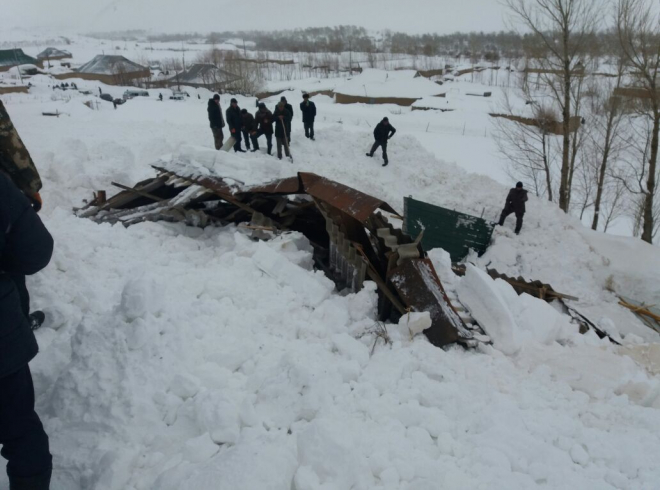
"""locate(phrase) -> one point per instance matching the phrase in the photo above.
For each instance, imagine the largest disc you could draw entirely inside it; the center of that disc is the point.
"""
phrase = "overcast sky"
(413, 16)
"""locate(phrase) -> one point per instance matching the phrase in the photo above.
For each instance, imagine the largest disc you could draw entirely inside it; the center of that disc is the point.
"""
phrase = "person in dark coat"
(282, 117)
(25, 248)
(235, 124)
(289, 108)
(216, 121)
(249, 129)
(383, 132)
(308, 109)
(264, 120)
(515, 203)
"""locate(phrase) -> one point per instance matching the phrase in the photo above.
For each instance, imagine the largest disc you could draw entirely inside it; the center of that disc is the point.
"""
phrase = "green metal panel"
(452, 231)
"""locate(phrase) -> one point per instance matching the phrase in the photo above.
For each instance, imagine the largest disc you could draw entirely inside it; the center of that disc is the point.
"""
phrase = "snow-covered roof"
(53, 53)
(110, 65)
(206, 74)
(409, 88)
(13, 57)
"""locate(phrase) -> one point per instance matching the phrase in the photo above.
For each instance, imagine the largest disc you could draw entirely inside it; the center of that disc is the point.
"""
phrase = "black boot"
(369, 155)
(39, 482)
(385, 164)
(37, 319)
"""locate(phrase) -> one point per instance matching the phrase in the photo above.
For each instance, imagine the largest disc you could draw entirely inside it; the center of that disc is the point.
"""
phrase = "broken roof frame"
(352, 240)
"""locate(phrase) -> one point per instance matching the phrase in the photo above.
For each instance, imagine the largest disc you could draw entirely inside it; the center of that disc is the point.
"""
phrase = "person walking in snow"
(215, 120)
(25, 248)
(289, 108)
(282, 122)
(160, 97)
(383, 132)
(235, 124)
(249, 129)
(264, 120)
(515, 203)
(308, 109)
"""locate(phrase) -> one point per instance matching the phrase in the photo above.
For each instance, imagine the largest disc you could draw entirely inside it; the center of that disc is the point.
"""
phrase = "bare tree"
(528, 147)
(561, 31)
(638, 30)
(605, 138)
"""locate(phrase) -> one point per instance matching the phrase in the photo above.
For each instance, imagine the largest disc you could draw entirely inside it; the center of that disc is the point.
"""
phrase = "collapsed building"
(351, 236)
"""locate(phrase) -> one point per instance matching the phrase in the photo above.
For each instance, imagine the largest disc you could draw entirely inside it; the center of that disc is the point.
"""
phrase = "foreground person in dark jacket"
(25, 248)
(235, 124)
(216, 121)
(308, 109)
(515, 203)
(383, 132)
(264, 120)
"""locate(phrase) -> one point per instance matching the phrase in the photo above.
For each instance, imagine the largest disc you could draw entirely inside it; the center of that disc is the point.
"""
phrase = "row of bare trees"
(606, 166)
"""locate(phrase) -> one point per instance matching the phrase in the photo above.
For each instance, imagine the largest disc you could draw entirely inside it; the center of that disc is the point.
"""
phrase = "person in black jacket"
(289, 108)
(235, 124)
(216, 121)
(383, 132)
(25, 248)
(515, 203)
(308, 109)
(264, 120)
(249, 129)
(282, 122)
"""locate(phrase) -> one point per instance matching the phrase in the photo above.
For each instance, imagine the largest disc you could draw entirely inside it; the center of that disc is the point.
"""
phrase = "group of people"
(244, 126)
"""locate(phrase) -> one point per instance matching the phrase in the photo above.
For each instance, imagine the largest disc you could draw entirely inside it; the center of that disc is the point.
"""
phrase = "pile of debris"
(352, 239)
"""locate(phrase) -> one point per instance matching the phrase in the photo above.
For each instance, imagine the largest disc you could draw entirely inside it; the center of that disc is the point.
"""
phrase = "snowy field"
(171, 361)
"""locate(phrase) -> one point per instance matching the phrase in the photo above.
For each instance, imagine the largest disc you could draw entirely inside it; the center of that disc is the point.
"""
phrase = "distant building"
(109, 69)
(400, 87)
(14, 57)
(202, 75)
(53, 54)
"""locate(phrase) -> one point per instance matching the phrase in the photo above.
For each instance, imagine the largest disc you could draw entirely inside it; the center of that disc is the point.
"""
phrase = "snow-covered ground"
(176, 358)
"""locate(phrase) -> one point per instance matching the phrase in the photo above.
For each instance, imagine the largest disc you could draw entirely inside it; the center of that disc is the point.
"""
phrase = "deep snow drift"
(180, 358)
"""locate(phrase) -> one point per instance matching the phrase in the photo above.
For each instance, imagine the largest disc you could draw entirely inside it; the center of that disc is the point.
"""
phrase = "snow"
(394, 86)
(179, 358)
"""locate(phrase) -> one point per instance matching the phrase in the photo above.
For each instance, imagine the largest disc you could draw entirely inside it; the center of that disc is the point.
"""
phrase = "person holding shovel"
(282, 121)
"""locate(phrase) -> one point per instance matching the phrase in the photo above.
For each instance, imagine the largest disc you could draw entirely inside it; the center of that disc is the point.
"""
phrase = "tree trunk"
(647, 227)
(548, 180)
(564, 190)
(603, 169)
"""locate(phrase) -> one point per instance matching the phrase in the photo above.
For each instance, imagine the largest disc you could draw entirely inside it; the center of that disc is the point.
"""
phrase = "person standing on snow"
(216, 121)
(25, 248)
(249, 129)
(235, 124)
(289, 108)
(515, 203)
(308, 109)
(264, 120)
(383, 132)
(282, 121)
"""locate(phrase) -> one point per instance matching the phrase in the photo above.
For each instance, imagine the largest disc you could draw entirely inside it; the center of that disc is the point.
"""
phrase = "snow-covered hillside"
(170, 360)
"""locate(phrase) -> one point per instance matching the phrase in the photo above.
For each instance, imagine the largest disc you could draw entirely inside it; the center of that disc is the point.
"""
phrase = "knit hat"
(216, 97)
(243, 111)
(305, 96)
(519, 185)
(234, 101)
(262, 105)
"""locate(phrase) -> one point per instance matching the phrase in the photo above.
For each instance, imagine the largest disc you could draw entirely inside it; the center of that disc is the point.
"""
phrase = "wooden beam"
(139, 192)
